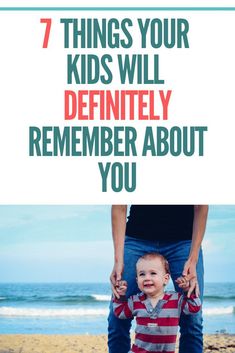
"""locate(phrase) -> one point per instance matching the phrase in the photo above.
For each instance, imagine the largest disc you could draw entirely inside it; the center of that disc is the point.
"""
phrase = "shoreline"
(42, 343)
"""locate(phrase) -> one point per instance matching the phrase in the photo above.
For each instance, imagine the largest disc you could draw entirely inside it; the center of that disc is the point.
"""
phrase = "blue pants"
(191, 338)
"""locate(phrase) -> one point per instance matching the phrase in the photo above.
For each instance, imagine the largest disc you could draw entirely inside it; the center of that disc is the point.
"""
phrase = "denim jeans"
(191, 338)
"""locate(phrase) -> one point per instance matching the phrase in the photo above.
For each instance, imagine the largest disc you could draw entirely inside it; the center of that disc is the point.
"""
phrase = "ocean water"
(76, 308)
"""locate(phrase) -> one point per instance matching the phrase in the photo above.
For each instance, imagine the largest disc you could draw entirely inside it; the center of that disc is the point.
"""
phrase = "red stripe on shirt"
(171, 304)
(127, 311)
(118, 310)
(136, 349)
(156, 338)
(138, 305)
(161, 321)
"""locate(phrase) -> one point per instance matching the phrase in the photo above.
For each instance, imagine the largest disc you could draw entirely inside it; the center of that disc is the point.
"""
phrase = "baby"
(157, 312)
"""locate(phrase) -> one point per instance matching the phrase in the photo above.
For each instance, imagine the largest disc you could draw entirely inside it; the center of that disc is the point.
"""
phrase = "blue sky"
(74, 243)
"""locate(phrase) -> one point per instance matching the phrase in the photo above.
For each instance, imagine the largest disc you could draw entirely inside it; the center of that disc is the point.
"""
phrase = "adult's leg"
(119, 330)
(191, 338)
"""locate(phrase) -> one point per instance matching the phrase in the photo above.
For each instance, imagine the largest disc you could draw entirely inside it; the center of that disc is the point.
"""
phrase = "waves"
(71, 308)
(219, 311)
(68, 299)
(76, 312)
(54, 305)
(35, 312)
(218, 297)
(86, 299)
(101, 297)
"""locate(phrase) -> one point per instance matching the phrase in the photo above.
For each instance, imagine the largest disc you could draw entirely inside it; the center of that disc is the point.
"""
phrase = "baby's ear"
(167, 278)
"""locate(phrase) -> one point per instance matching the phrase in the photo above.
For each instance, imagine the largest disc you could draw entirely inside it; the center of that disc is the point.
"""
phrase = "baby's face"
(151, 276)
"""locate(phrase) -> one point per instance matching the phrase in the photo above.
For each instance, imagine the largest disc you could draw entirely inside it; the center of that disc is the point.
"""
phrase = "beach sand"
(221, 343)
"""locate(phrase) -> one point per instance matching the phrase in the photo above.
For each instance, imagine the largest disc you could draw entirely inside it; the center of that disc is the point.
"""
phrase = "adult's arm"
(118, 232)
(199, 226)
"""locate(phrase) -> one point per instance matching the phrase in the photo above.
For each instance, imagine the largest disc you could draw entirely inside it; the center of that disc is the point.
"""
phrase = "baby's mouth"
(148, 285)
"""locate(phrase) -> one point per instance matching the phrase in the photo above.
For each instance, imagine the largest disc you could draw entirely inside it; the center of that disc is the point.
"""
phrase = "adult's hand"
(193, 287)
(116, 275)
(190, 273)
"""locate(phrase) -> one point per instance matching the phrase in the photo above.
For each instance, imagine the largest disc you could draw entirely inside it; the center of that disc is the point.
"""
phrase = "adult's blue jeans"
(191, 338)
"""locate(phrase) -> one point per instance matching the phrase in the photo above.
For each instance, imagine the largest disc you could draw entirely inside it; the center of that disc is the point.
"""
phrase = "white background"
(32, 82)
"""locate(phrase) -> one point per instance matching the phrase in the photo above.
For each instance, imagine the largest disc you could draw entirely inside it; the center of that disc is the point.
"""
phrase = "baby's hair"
(155, 255)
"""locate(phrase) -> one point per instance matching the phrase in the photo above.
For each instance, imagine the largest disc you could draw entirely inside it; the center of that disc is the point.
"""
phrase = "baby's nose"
(148, 276)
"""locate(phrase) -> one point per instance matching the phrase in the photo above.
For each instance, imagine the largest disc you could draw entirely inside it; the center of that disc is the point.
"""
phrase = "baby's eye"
(141, 274)
(153, 273)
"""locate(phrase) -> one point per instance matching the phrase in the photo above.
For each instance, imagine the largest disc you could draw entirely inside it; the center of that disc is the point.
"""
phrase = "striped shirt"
(156, 328)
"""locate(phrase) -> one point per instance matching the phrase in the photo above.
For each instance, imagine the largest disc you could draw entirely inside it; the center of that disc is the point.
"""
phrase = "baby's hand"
(183, 283)
(121, 287)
